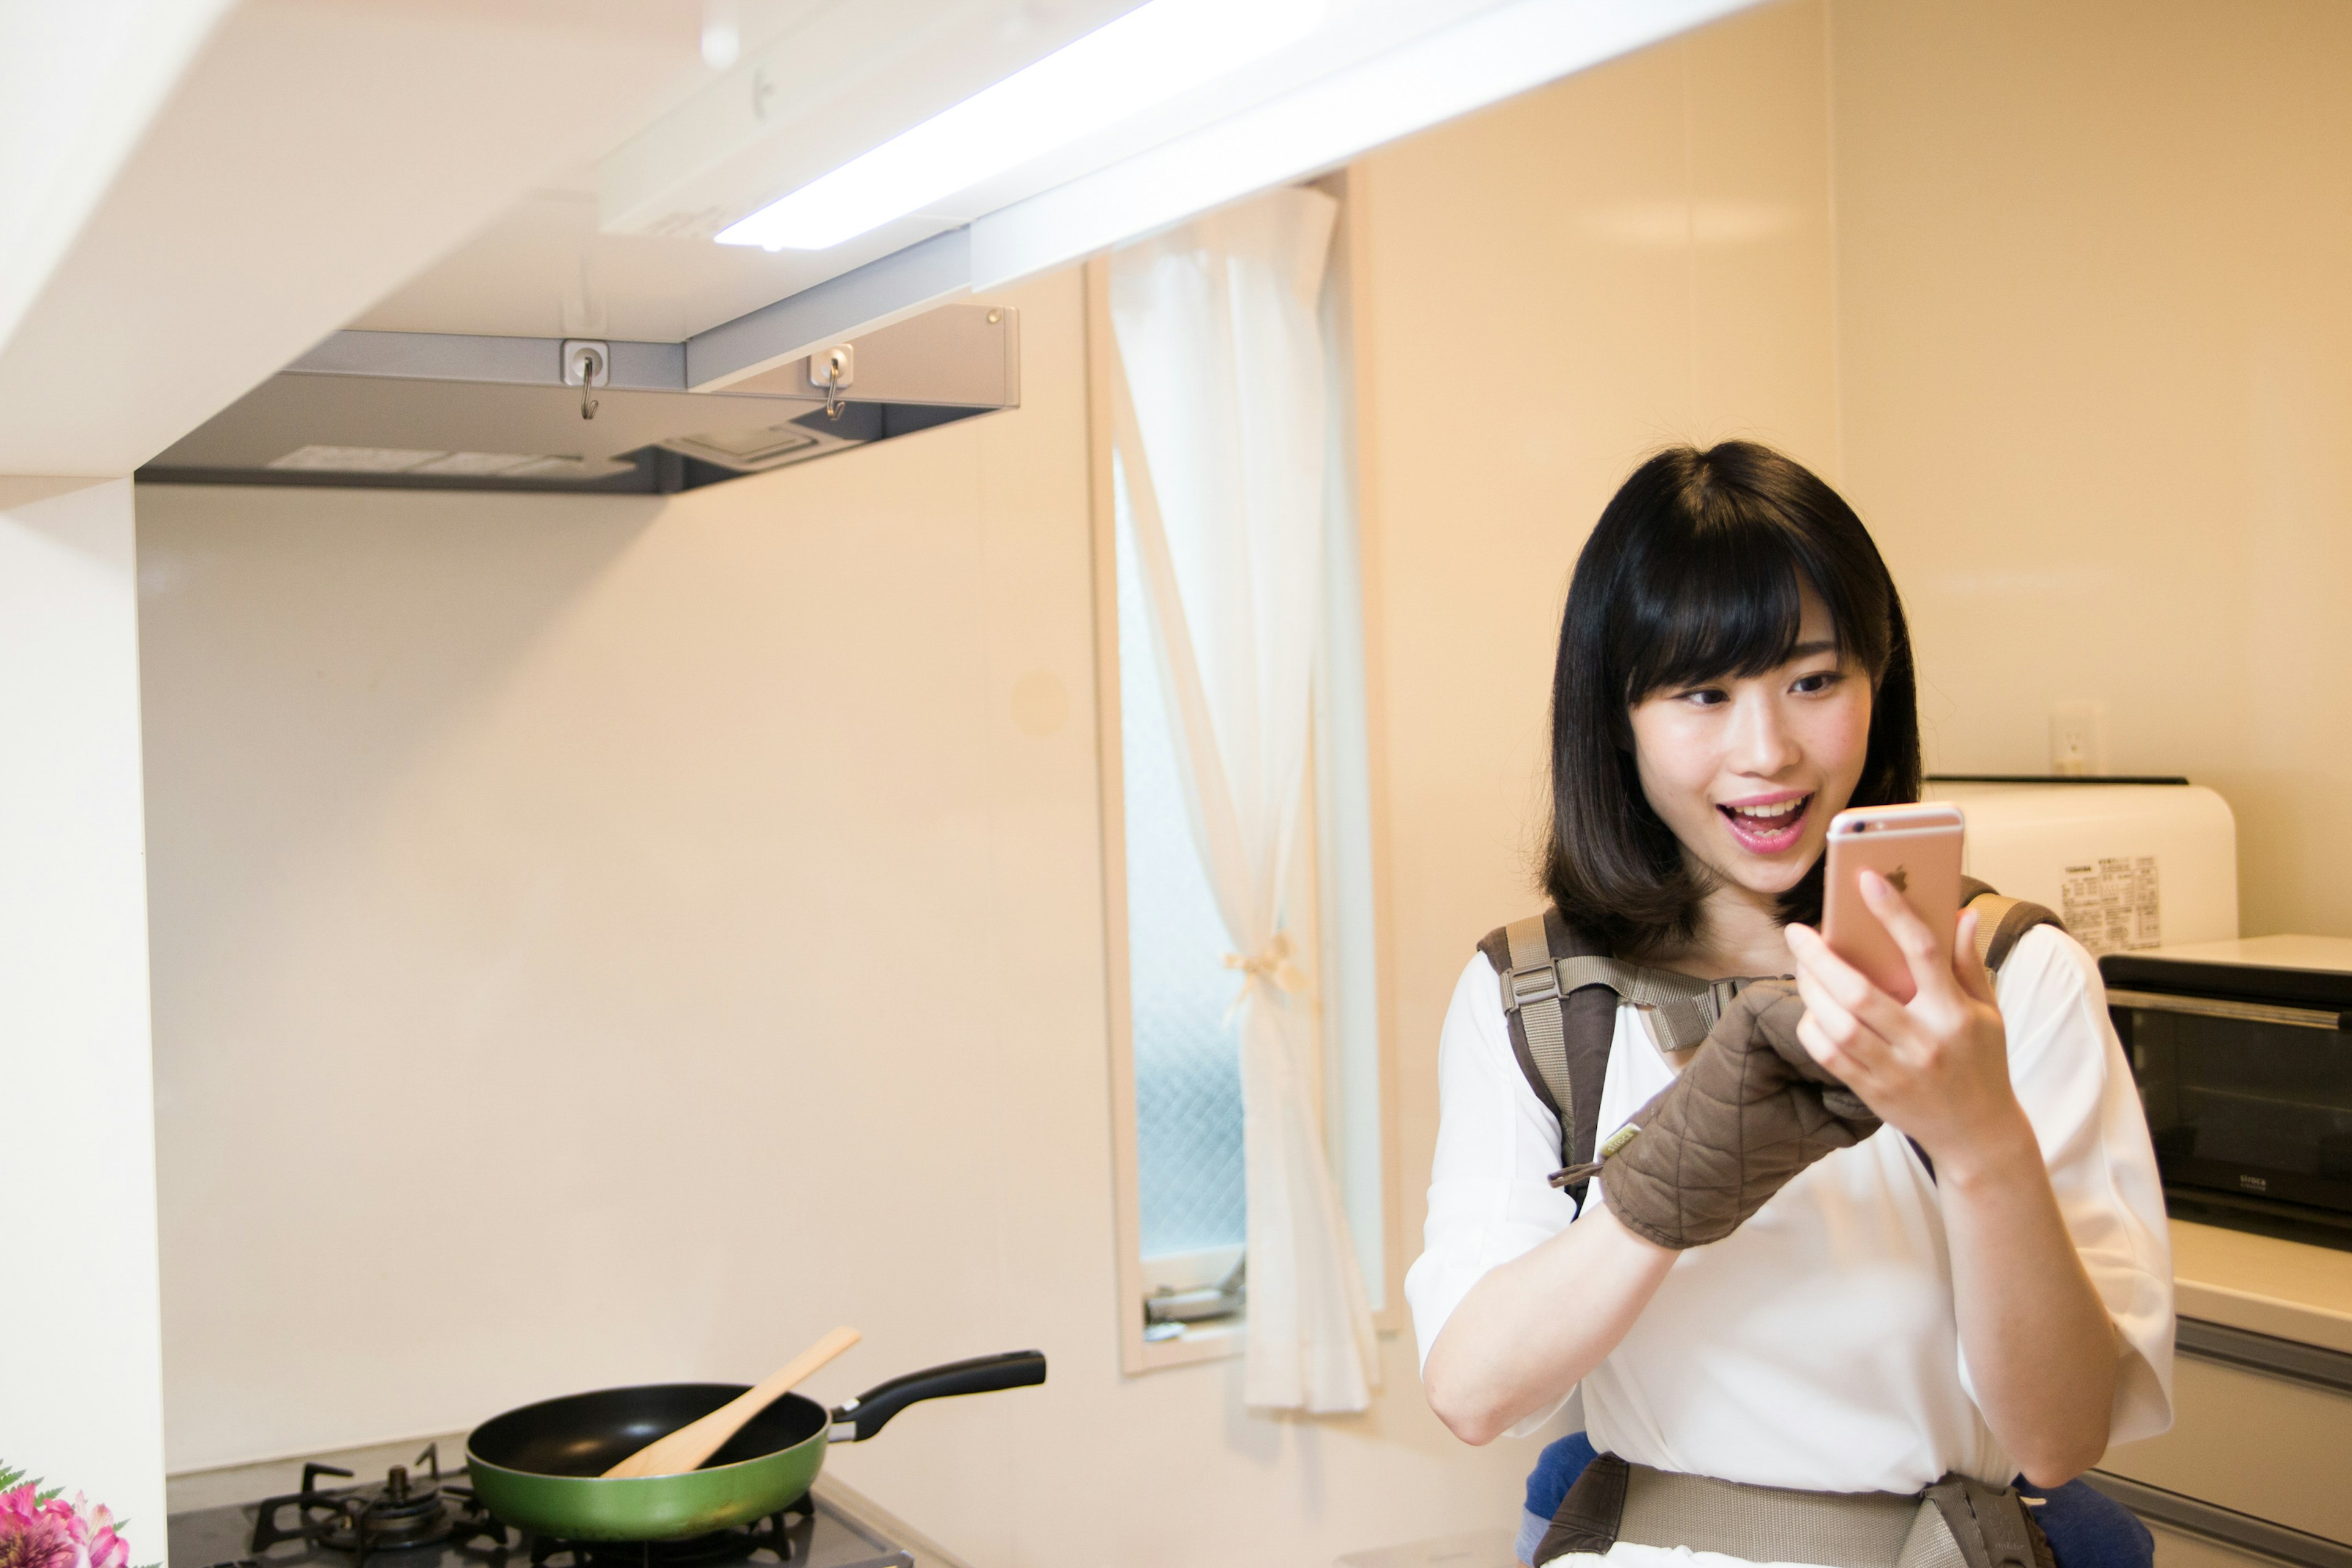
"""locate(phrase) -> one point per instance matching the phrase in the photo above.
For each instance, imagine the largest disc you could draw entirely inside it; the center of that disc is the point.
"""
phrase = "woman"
(1981, 1289)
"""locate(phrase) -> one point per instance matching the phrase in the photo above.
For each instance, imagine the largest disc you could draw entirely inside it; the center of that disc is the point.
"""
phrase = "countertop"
(2263, 1284)
(249, 1483)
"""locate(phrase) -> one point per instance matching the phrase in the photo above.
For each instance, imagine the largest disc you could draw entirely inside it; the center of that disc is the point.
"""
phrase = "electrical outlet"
(2078, 738)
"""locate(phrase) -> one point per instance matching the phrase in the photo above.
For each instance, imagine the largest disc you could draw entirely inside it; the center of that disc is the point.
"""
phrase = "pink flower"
(56, 1534)
(107, 1550)
(41, 1535)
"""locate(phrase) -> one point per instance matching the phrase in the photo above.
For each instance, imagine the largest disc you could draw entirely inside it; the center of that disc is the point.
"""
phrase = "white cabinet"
(2255, 1462)
(2178, 1549)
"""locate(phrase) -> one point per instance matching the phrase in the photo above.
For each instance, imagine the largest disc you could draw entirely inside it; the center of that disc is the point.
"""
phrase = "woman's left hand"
(1936, 1067)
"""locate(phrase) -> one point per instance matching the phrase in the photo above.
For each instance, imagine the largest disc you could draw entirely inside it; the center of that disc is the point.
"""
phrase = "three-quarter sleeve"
(1490, 1199)
(2077, 1090)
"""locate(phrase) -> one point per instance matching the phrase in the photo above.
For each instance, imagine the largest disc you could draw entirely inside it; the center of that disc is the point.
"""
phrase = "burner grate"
(402, 1511)
(782, 1537)
(428, 1519)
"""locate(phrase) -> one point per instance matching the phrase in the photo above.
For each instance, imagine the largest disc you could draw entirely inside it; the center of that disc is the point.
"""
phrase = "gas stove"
(419, 1516)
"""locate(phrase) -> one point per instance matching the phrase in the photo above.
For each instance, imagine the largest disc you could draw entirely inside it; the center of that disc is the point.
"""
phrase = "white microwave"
(2126, 865)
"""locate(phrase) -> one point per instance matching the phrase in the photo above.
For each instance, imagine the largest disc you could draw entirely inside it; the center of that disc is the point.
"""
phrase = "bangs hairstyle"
(1695, 575)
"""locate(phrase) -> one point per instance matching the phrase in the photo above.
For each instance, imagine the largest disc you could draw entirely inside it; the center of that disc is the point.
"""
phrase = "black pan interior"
(588, 1434)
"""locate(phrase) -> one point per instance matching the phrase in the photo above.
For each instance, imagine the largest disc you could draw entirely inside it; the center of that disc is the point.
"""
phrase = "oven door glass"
(2245, 1105)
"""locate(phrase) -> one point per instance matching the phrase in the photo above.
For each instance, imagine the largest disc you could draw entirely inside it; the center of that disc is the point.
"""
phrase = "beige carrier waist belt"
(1956, 1523)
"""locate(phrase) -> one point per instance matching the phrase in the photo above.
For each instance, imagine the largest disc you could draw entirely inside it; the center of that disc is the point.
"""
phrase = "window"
(1177, 1067)
(1191, 1209)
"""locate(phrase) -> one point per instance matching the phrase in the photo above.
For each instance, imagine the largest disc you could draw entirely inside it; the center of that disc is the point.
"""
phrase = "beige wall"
(1638, 255)
(623, 813)
(2080, 351)
(2096, 358)
(617, 809)
(602, 941)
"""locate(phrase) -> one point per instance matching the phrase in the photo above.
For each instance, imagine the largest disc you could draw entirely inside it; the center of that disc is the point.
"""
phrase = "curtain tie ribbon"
(1270, 963)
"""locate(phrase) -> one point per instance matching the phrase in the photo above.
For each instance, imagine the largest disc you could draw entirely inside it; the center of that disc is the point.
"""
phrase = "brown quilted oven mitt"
(1749, 1110)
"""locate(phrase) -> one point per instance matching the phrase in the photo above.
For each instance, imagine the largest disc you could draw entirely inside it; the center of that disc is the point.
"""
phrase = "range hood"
(456, 411)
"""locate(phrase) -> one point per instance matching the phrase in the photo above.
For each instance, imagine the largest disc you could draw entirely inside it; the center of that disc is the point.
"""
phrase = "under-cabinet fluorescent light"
(1143, 59)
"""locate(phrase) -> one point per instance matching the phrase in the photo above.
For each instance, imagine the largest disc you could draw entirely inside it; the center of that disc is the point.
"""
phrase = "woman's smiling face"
(1748, 771)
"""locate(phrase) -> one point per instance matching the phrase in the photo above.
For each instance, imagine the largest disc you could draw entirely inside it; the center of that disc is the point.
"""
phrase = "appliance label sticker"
(2110, 905)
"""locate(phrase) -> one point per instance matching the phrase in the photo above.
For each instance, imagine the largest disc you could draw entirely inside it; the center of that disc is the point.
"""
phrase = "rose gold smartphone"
(1915, 848)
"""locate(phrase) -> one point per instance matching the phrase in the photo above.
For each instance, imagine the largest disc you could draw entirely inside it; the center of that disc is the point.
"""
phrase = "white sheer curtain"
(1220, 430)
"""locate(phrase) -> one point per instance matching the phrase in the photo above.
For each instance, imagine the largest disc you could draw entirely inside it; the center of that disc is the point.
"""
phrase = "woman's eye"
(1706, 697)
(1820, 680)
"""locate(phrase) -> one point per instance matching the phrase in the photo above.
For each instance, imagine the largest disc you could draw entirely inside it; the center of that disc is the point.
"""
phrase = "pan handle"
(860, 1418)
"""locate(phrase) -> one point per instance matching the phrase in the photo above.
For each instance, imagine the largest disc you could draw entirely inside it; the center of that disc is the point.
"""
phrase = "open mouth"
(1769, 827)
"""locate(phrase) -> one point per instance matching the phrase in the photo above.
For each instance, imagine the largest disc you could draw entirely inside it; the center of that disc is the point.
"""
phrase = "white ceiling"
(835, 77)
(459, 165)
(541, 268)
(848, 75)
(311, 155)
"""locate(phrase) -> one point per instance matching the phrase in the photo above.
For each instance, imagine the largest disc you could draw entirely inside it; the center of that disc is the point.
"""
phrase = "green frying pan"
(541, 1468)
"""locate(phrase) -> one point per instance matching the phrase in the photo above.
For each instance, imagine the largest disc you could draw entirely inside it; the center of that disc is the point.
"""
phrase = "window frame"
(1221, 1338)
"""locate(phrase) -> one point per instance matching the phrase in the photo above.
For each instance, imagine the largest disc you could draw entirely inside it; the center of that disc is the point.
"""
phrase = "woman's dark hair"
(1693, 575)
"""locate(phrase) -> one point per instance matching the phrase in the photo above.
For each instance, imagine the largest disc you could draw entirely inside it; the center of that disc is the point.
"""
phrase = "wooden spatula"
(685, 1448)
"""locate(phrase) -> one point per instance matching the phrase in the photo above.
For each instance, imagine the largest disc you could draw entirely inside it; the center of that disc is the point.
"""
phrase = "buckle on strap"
(1681, 1024)
(1523, 987)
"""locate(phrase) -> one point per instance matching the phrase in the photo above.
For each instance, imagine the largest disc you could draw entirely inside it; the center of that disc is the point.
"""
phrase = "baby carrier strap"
(1561, 988)
(2001, 921)
(1959, 1523)
(1561, 1029)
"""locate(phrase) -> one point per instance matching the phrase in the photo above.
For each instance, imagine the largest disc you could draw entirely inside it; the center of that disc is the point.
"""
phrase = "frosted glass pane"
(1188, 1081)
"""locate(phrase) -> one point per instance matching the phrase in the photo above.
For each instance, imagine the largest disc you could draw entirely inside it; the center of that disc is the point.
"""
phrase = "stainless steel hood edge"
(445, 410)
(466, 356)
(891, 289)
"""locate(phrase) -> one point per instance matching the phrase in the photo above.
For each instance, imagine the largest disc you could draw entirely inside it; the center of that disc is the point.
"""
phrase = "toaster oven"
(2244, 1064)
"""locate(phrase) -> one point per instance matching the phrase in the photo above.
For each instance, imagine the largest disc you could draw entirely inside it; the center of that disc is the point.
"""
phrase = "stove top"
(418, 1516)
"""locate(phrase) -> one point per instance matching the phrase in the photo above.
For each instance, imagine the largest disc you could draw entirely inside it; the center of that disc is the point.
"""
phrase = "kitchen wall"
(1638, 255)
(80, 1380)
(624, 813)
(535, 878)
(2079, 349)
(610, 940)
(2097, 376)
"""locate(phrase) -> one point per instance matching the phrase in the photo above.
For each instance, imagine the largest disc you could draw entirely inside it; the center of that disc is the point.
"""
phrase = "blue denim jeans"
(2086, 1529)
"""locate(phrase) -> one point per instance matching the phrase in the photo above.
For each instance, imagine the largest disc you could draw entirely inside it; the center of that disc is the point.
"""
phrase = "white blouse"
(1815, 1346)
